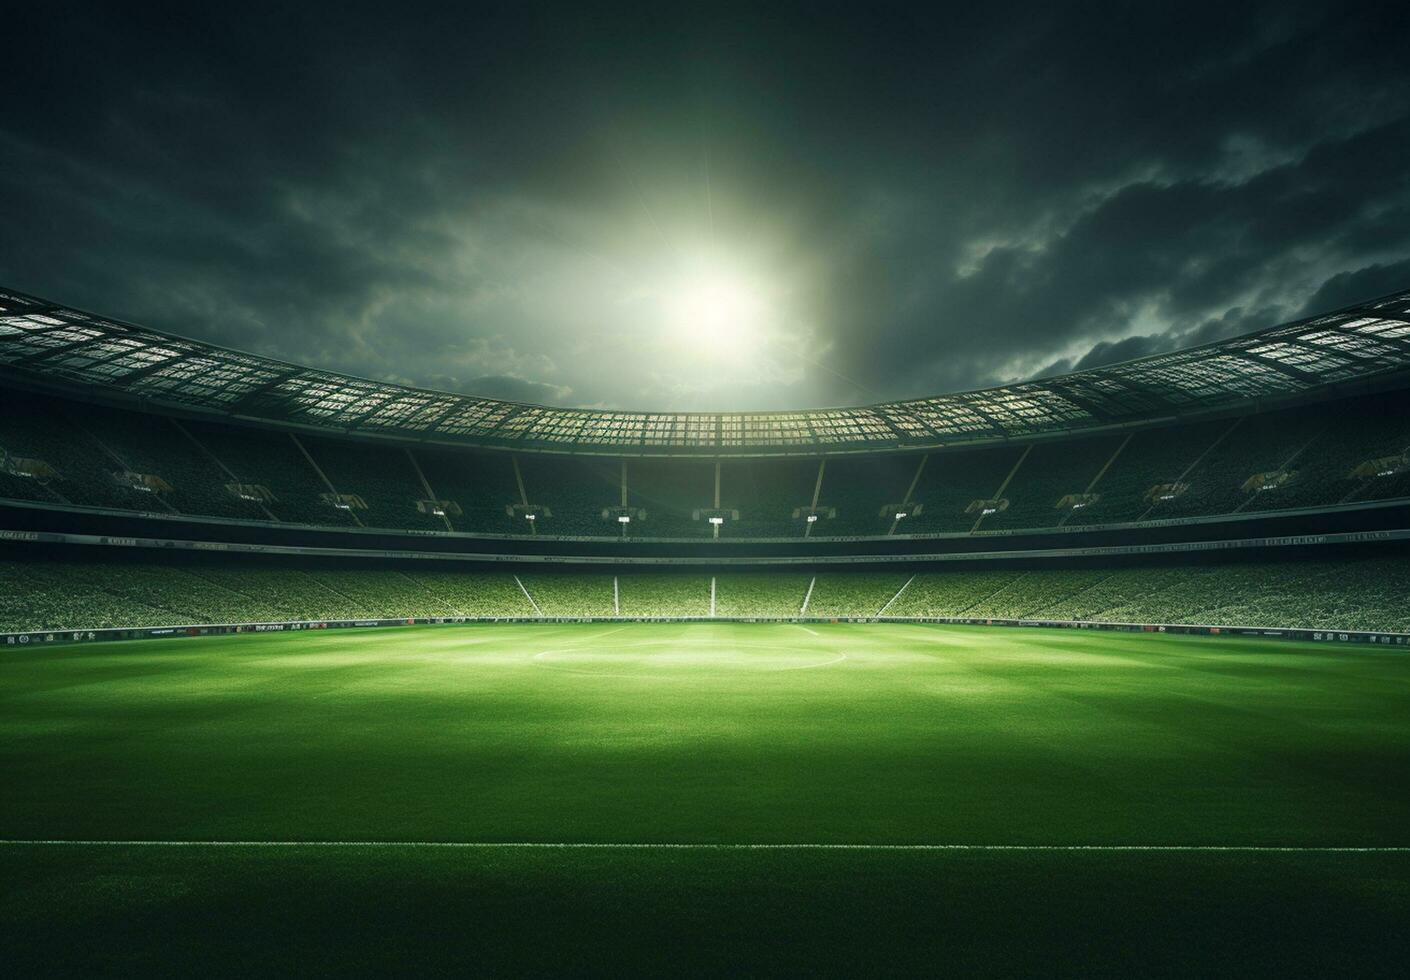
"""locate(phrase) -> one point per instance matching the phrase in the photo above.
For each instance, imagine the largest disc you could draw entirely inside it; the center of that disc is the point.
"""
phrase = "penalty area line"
(701, 846)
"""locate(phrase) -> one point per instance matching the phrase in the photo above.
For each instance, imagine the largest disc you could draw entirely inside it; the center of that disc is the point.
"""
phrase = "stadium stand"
(476, 595)
(1300, 457)
(671, 493)
(774, 595)
(952, 482)
(1051, 473)
(650, 595)
(274, 461)
(1344, 594)
(100, 414)
(1353, 432)
(1154, 458)
(153, 445)
(381, 483)
(766, 493)
(843, 594)
(483, 485)
(947, 594)
(572, 595)
(576, 492)
(866, 493)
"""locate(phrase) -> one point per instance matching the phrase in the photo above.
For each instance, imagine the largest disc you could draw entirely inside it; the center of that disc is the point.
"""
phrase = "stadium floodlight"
(812, 518)
(717, 520)
(531, 517)
(1381, 467)
(900, 514)
(142, 482)
(1076, 501)
(439, 508)
(1163, 492)
(344, 501)
(624, 519)
(986, 507)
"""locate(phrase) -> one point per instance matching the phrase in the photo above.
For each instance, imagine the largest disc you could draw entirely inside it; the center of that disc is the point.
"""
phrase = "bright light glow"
(714, 309)
(812, 518)
(623, 519)
(900, 515)
(531, 517)
(717, 520)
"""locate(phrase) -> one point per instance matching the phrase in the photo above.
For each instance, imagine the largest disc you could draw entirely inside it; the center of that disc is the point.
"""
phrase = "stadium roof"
(55, 347)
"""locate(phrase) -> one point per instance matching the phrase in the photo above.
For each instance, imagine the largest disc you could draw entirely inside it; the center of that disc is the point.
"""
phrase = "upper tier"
(77, 353)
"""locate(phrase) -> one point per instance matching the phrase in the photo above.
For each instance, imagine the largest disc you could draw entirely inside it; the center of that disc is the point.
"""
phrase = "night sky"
(702, 208)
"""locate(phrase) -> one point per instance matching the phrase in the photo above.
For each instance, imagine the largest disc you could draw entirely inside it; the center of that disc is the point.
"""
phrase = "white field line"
(806, 630)
(693, 846)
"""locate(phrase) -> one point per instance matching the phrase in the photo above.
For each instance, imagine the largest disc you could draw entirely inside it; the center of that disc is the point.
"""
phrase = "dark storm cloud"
(494, 201)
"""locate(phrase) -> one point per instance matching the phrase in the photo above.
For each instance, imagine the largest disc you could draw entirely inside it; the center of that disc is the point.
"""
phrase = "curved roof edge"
(60, 348)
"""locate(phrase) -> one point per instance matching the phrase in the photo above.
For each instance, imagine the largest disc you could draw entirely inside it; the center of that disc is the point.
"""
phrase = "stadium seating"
(41, 428)
(274, 461)
(1349, 594)
(1151, 458)
(766, 493)
(575, 492)
(953, 481)
(650, 595)
(381, 477)
(481, 484)
(477, 595)
(845, 594)
(571, 595)
(670, 492)
(101, 458)
(748, 595)
(860, 488)
(1051, 472)
(948, 594)
(155, 445)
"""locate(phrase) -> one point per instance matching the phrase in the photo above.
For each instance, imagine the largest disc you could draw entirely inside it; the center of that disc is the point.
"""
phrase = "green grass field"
(718, 734)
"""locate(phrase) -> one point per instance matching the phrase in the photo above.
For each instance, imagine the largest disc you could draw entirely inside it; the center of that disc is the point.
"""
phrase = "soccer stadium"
(654, 490)
(1139, 629)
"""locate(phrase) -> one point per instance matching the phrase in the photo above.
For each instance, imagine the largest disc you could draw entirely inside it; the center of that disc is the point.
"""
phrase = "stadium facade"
(1289, 446)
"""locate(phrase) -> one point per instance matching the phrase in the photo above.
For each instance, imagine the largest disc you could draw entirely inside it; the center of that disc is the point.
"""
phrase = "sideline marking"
(806, 630)
(585, 845)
